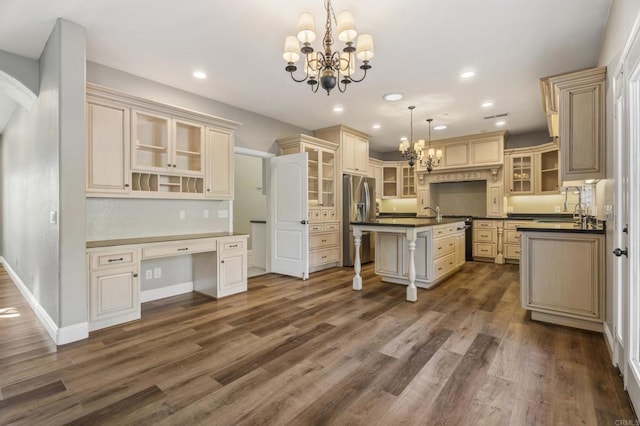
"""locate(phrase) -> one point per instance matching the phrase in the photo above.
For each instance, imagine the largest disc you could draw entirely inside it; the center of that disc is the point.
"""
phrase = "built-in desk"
(219, 269)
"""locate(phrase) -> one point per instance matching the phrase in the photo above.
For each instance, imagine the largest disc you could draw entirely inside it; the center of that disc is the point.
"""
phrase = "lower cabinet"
(114, 288)
(224, 272)
(562, 278)
(485, 239)
(324, 250)
(512, 240)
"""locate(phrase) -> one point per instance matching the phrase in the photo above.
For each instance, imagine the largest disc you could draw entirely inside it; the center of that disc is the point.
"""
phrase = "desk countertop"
(159, 239)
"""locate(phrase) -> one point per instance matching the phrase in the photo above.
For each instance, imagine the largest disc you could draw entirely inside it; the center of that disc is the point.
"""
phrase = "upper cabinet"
(354, 148)
(575, 108)
(481, 151)
(145, 149)
(375, 171)
(533, 170)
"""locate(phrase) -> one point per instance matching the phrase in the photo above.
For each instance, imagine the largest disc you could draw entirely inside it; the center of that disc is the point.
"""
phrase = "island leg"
(412, 290)
(357, 241)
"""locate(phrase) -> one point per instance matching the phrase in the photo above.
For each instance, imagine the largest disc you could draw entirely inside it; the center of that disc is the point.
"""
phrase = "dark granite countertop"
(567, 227)
(407, 222)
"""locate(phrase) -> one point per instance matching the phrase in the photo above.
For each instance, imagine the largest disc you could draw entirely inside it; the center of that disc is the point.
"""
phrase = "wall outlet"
(556, 209)
(53, 217)
(509, 209)
(182, 214)
(222, 214)
(205, 213)
(148, 274)
(157, 272)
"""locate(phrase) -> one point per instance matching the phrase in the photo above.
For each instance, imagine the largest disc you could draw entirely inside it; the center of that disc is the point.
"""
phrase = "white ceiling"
(421, 48)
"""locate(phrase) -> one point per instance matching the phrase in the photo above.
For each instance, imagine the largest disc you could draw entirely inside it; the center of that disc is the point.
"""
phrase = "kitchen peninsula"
(417, 252)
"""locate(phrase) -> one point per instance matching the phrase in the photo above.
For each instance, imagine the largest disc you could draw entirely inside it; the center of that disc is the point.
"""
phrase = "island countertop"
(568, 227)
(406, 222)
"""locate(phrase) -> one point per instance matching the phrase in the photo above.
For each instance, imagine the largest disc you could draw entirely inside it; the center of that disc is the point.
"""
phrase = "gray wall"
(523, 140)
(24, 70)
(31, 185)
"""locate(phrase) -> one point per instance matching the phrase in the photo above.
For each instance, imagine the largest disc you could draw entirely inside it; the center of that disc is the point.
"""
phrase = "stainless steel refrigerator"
(358, 205)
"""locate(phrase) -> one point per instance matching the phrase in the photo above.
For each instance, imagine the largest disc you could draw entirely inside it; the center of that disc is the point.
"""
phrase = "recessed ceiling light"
(404, 138)
(393, 96)
(338, 108)
(467, 74)
(376, 126)
(439, 127)
(199, 75)
(486, 104)
(500, 123)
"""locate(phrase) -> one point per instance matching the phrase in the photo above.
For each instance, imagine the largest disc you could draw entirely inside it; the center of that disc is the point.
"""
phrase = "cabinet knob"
(222, 261)
(174, 165)
(168, 165)
(135, 275)
(208, 190)
(126, 185)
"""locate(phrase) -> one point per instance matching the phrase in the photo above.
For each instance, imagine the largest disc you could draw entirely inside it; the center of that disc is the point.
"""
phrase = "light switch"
(53, 217)
(182, 214)
(157, 272)
(223, 214)
(205, 213)
(148, 274)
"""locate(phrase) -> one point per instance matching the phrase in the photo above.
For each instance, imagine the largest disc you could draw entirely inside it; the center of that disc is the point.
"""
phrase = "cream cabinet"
(512, 236)
(144, 149)
(390, 181)
(114, 287)
(408, 182)
(375, 171)
(488, 240)
(324, 226)
(353, 148)
(533, 170)
(232, 264)
(108, 147)
(575, 107)
(562, 278)
(220, 165)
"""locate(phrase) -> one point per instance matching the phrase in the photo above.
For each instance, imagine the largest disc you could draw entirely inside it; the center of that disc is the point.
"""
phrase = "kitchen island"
(439, 245)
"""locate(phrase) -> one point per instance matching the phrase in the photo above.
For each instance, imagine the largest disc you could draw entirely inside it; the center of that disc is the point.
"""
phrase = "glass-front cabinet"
(548, 171)
(521, 174)
(321, 177)
(408, 182)
(162, 144)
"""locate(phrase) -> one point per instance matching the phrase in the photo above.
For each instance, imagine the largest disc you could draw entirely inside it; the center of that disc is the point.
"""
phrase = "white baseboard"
(60, 336)
(249, 258)
(608, 337)
(167, 291)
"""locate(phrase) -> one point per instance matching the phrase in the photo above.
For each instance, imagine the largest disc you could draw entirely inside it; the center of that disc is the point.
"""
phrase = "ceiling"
(422, 46)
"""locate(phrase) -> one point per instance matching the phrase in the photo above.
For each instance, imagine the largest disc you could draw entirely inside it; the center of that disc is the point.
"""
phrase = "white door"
(632, 326)
(288, 215)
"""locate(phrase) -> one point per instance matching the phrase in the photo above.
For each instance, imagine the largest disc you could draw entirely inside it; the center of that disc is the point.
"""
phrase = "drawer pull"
(324, 241)
(440, 269)
(324, 257)
(516, 251)
(233, 246)
(135, 275)
(439, 248)
(116, 260)
(183, 249)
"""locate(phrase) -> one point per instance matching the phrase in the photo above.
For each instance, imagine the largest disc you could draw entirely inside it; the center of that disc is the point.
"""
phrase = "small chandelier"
(414, 151)
(329, 68)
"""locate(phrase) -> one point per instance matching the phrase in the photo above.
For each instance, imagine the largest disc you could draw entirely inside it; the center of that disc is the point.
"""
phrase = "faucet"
(436, 211)
(580, 211)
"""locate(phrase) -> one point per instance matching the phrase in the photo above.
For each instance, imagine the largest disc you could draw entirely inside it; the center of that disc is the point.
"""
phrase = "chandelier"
(327, 67)
(414, 151)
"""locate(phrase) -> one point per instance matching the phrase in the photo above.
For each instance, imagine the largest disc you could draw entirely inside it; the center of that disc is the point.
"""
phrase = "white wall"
(249, 203)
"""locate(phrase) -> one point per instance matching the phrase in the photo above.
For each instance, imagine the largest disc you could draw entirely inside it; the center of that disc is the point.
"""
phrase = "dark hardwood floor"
(315, 352)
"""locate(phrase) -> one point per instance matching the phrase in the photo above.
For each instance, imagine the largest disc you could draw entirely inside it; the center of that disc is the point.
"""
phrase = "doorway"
(250, 205)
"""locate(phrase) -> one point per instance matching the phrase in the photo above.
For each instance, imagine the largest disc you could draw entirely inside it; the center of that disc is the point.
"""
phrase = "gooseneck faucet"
(436, 211)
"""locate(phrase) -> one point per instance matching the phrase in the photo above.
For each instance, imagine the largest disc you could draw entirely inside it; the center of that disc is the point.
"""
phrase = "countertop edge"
(158, 239)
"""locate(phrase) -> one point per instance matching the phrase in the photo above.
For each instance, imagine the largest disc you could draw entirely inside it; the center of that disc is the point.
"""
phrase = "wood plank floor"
(315, 352)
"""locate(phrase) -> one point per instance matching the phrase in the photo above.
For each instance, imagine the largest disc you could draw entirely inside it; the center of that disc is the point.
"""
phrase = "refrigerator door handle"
(367, 201)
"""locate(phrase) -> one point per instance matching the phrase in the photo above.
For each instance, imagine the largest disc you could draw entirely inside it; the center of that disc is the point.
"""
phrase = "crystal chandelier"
(328, 67)
(414, 152)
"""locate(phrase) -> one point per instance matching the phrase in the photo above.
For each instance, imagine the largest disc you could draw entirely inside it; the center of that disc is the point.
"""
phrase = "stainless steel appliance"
(358, 205)
(468, 234)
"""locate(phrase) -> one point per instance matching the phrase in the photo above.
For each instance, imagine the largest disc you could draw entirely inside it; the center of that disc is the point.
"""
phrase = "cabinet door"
(485, 152)
(349, 153)
(114, 297)
(150, 147)
(390, 182)
(188, 148)
(495, 201)
(108, 144)
(408, 182)
(361, 155)
(313, 155)
(233, 273)
(456, 155)
(521, 173)
(327, 179)
(219, 164)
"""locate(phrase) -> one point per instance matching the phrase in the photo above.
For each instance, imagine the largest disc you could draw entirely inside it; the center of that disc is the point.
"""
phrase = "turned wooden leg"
(412, 290)
(500, 256)
(357, 241)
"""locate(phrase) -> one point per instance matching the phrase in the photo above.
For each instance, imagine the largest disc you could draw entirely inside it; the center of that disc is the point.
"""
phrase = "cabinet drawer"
(332, 215)
(321, 257)
(443, 246)
(179, 247)
(484, 250)
(314, 214)
(231, 245)
(113, 259)
(484, 224)
(316, 228)
(323, 240)
(331, 226)
(443, 265)
(510, 224)
(484, 236)
(443, 230)
(511, 237)
(512, 251)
